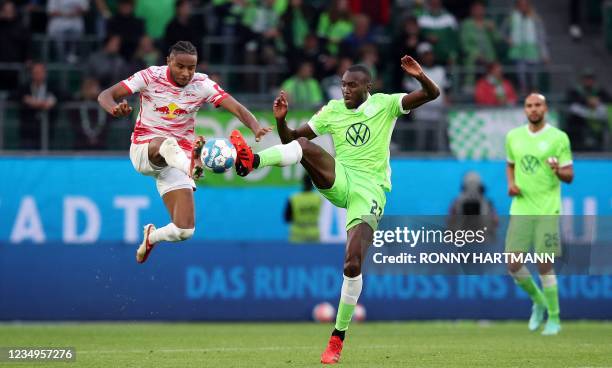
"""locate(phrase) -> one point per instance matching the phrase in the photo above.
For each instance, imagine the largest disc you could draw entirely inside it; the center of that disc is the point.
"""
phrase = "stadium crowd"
(477, 54)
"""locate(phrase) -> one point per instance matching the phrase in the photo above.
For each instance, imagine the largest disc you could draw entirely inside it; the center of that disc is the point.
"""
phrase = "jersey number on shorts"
(376, 210)
(551, 240)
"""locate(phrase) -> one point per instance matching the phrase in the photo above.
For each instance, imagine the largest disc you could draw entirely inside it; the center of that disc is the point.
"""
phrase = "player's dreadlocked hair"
(183, 47)
(362, 69)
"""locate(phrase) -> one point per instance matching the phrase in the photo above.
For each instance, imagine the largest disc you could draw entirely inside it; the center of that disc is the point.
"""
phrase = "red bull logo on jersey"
(170, 111)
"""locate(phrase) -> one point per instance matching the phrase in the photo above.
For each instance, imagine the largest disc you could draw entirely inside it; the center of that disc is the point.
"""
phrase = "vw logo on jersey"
(530, 164)
(358, 134)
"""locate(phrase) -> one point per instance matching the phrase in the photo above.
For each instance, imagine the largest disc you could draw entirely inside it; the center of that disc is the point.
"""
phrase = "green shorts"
(364, 201)
(540, 233)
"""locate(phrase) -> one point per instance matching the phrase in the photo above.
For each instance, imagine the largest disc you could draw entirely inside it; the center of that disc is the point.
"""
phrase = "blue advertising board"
(83, 200)
(68, 229)
(254, 281)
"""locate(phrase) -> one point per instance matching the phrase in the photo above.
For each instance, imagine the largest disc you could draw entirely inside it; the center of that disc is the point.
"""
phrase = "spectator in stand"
(296, 24)
(332, 85)
(65, 25)
(14, 43)
(262, 22)
(303, 91)
(335, 25)
(478, 38)
(587, 123)
(370, 57)
(433, 111)
(146, 55)
(493, 89)
(313, 53)
(406, 42)
(378, 12)
(440, 29)
(38, 102)
(228, 14)
(156, 14)
(107, 65)
(527, 43)
(184, 28)
(89, 121)
(129, 27)
(360, 36)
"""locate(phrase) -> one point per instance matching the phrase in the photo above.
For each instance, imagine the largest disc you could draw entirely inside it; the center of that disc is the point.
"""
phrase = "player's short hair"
(537, 94)
(183, 47)
(361, 69)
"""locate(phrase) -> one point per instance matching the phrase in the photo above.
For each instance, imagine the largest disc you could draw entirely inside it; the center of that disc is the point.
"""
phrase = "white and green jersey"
(529, 152)
(362, 136)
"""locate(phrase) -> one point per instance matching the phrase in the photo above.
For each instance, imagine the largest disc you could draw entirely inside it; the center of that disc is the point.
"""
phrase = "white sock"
(170, 233)
(521, 274)
(291, 153)
(281, 155)
(351, 289)
(174, 155)
(548, 279)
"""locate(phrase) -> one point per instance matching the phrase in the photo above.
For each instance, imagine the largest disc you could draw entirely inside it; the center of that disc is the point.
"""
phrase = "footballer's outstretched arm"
(285, 133)
(429, 90)
(245, 116)
(109, 97)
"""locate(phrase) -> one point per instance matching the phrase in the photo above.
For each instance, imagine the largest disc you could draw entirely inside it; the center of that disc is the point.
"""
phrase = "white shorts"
(167, 178)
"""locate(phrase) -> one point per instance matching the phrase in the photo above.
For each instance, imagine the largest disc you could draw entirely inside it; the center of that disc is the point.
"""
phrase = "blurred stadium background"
(72, 207)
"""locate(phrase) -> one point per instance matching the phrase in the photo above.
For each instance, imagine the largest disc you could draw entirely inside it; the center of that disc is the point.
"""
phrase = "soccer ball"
(359, 314)
(218, 155)
(323, 312)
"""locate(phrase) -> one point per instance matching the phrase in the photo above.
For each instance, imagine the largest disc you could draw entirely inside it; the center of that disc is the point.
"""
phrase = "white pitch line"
(225, 349)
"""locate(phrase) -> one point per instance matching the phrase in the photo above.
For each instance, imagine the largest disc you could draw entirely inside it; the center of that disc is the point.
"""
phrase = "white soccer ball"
(359, 315)
(323, 312)
(218, 155)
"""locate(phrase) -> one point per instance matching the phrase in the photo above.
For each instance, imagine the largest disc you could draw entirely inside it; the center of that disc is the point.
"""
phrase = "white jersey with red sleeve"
(168, 110)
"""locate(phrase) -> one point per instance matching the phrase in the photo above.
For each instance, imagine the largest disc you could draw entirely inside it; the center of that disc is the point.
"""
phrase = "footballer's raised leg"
(180, 204)
(163, 138)
(360, 172)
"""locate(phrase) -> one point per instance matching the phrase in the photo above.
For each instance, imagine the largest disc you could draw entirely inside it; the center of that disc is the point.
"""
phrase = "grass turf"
(402, 344)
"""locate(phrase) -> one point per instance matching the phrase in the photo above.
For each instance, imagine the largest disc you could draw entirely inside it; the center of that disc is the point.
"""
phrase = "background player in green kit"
(358, 177)
(539, 158)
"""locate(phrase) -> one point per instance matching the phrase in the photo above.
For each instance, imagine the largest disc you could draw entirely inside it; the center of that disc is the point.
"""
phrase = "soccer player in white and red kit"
(164, 145)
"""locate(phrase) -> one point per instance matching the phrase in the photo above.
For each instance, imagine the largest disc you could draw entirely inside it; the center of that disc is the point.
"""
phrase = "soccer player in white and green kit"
(539, 159)
(358, 177)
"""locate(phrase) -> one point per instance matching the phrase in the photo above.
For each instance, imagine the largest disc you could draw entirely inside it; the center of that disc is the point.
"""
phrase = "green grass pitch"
(401, 344)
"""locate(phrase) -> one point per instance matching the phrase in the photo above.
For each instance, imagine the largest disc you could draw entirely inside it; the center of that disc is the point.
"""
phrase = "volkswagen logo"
(358, 134)
(530, 164)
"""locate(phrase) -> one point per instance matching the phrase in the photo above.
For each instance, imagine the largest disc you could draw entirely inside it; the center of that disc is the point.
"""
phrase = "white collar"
(533, 134)
(362, 106)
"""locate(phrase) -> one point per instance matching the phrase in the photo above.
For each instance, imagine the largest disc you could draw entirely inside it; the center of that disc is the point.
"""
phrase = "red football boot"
(145, 248)
(331, 355)
(196, 169)
(244, 157)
